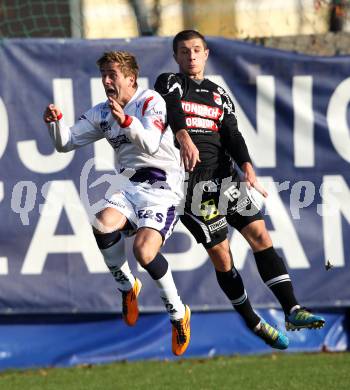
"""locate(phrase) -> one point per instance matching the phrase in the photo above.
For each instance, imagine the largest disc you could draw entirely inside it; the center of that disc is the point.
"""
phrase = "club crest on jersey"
(105, 126)
(217, 98)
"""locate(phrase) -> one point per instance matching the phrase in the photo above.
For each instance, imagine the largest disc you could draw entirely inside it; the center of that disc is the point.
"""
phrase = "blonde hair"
(126, 61)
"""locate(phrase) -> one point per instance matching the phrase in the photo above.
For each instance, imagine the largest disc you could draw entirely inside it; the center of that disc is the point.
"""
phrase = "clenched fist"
(52, 114)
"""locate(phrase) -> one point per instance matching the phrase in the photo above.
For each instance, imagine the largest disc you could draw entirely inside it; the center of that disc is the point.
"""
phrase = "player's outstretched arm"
(52, 115)
(67, 138)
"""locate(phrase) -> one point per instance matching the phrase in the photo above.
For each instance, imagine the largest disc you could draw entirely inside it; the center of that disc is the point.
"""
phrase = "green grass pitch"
(320, 371)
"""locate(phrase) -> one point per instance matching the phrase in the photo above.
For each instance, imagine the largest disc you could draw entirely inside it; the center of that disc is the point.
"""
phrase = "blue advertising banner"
(293, 111)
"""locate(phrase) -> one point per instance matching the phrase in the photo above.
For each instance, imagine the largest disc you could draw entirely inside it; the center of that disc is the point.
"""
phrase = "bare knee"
(146, 245)
(109, 220)
(144, 254)
(257, 235)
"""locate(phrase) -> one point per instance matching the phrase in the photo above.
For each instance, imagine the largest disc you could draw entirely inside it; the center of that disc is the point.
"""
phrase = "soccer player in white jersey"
(133, 121)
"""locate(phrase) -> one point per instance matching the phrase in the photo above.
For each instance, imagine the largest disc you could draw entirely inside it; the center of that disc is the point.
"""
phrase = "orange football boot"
(181, 333)
(130, 306)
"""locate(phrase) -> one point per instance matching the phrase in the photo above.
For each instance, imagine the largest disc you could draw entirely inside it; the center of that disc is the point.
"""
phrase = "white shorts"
(154, 209)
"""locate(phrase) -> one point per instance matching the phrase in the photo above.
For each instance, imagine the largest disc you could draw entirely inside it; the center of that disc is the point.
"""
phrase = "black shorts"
(215, 199)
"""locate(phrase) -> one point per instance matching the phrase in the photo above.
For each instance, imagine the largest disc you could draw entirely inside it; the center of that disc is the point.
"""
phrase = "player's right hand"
(251, 179)
(188, 150)
(116, 110)
(52, 113)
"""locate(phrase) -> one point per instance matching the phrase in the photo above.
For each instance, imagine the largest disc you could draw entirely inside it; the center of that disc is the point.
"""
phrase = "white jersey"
(143, 143)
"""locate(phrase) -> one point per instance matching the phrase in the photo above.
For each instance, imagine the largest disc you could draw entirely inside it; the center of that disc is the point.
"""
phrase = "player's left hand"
(251, 180)
(116, 110)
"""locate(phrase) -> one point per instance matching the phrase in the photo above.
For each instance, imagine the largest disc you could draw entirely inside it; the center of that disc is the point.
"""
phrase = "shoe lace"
(267, 332)
(126, 297)
(180, 331)
(124, 302)
(303, 313)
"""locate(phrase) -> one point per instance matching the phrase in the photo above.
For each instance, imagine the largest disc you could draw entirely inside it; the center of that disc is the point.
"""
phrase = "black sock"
(106, 240)
(231, 284)
(275, 275)
(158, 267)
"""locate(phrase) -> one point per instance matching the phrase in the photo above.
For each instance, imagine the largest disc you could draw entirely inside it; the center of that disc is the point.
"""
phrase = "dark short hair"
(186, 35)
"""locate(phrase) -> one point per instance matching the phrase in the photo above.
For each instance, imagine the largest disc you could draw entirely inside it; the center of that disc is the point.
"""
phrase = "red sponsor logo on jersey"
(217, 98)
(201, 123)
(201, 110)
(159, 124)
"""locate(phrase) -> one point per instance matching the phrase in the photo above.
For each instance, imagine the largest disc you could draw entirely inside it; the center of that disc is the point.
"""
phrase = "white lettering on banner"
(29, 190)
(63, 98)
(240, 248)
(62, 195)
(28, 150)
(4, 128)
(336, 203)
(283, 236)
(3, 260)
(298, 201)
(4, 267)
(104, 154)
(337, 119)
(143, 82)
(189, 260)
(303, 133)
(262, 141)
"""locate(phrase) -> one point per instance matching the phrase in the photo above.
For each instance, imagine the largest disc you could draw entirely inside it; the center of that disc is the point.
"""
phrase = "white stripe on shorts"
(202, 225)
